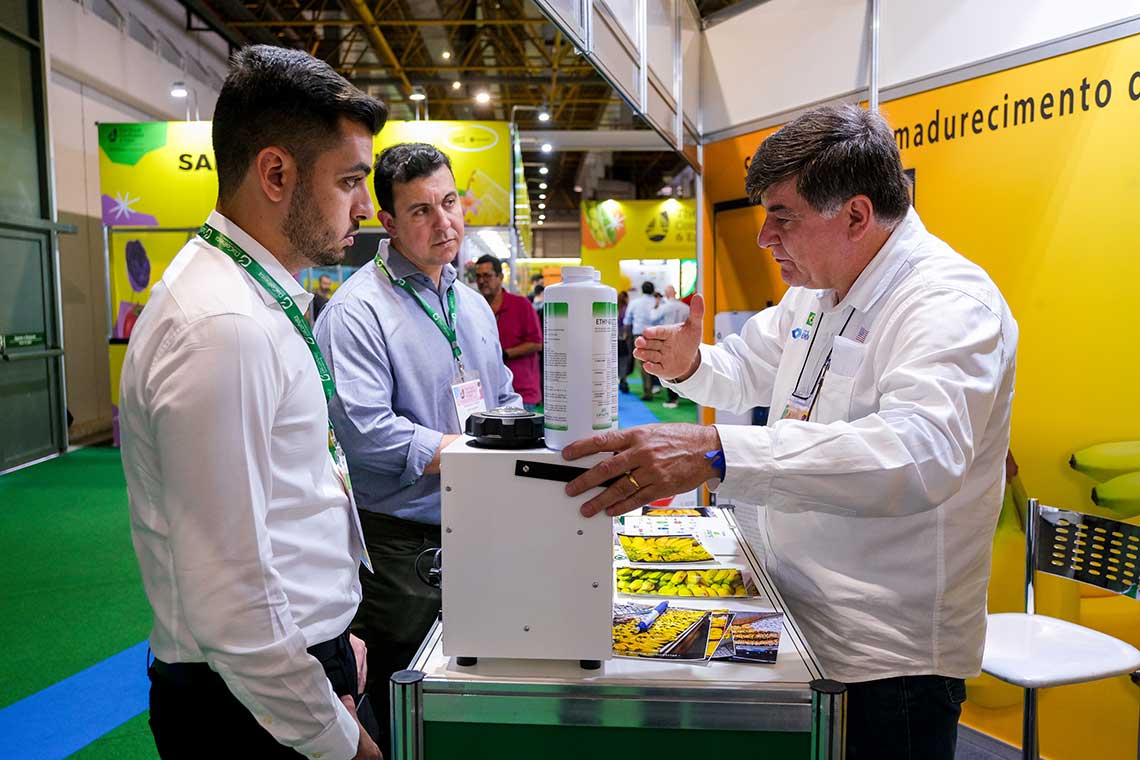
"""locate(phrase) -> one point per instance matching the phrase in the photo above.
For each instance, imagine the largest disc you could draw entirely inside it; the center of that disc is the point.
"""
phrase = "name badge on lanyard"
(816, 363)
(467, 393)
(466, 390)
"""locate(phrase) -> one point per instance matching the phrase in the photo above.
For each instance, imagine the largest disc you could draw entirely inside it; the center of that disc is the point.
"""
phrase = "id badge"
(340, 467)
(467, 393)
(795, 410)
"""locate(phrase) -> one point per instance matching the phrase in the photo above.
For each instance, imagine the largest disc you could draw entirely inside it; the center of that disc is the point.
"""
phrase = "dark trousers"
(398, 608)
(193, 713)
(905, 718)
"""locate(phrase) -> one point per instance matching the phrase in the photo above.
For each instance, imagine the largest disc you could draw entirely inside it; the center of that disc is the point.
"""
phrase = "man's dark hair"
(647, 288)
(835, 153)
(403, 163)
(278, 96)
(494, 261)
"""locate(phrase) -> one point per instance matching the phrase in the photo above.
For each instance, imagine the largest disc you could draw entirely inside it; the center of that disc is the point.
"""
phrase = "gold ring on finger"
(633, 480)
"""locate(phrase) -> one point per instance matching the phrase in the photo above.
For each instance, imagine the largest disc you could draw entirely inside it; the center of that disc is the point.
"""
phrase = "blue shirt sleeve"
(373, 436)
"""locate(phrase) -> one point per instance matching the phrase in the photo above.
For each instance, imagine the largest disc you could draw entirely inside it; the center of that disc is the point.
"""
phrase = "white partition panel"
(572, 17)
(615, 54)
(763, 64)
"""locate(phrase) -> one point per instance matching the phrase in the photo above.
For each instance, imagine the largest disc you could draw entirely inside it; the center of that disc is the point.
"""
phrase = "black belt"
(185, 673)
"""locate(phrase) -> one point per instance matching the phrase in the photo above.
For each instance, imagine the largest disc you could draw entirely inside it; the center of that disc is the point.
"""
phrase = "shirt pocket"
(834, 402)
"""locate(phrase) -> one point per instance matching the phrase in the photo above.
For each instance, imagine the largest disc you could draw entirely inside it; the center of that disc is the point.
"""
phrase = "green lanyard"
(447, 330)
(266, 281)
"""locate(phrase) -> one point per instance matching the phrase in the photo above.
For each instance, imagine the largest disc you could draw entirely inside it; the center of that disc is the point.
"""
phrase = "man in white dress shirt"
(245, 533)
(889, 368)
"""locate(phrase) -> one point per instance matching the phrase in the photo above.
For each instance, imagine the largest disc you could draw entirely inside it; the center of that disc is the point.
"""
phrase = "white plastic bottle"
(579, 392)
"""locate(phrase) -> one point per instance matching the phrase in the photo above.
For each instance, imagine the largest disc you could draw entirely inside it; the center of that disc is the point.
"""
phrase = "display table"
(500, 708)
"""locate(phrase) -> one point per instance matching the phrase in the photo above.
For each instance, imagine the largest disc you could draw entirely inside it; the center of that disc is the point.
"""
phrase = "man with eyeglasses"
(889, 369)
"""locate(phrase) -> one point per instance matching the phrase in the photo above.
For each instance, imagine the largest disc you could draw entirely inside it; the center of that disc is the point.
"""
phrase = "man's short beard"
(304, 230)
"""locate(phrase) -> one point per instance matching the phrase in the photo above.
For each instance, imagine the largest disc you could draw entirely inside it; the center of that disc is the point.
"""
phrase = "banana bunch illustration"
(663, 549)
(707, 581)
(1116, 468)
(664, 631)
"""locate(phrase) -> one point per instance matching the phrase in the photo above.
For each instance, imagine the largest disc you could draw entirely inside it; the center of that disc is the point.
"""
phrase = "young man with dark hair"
(413, 353)
(240, 513)
(889, 369)
(520, 333)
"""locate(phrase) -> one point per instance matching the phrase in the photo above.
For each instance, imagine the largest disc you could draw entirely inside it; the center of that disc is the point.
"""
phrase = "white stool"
(1035, 651)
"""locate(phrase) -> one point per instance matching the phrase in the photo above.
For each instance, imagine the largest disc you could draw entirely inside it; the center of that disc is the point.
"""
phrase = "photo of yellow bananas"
(660, 637)
(673, 512)
(718, 623)
(663, 549)
(698, 581)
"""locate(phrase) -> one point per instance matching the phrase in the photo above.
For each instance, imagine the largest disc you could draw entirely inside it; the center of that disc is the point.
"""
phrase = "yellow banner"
(162, 174)
(640, 229)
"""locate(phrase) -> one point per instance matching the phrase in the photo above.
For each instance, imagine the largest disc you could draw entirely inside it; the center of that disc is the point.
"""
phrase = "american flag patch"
(861, 336)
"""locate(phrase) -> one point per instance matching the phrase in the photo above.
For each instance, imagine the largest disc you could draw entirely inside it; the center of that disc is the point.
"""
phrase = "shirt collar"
(402, 269)
(266, 259)
(874, 280)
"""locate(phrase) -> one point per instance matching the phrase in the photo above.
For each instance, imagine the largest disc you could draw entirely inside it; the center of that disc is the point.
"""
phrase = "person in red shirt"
(519, 331)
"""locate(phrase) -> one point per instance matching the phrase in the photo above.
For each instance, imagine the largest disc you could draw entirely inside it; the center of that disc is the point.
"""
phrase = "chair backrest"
(1087, 548)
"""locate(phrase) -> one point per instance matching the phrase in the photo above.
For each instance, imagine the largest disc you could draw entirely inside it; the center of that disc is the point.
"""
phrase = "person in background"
(239, 510)
(520, 334)
(535, 286)
(625, 343)
(638, 317)
(891, 359)
(322, 295)
(536, 298)
(670, 311)
(413, 353)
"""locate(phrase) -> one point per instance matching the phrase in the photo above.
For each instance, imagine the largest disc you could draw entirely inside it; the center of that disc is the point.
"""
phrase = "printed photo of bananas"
(698, 581)
(663, 549)
(675, 512)
(1116, 469)
(671, 636)
(718, 624)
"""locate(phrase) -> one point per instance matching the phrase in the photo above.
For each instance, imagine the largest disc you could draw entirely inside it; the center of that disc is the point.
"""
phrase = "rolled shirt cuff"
(425, 442)
(337, 742)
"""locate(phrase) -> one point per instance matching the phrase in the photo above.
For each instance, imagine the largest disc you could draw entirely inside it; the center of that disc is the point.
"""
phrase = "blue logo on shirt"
(800, 334)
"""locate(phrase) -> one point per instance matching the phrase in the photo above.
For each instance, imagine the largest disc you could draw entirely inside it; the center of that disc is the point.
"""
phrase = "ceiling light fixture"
(542, 196)
(456, 84)
(543, 170)
(541, 185)
(541, 217)
(446, 55)
(544, 115)
(483, 97)
(417, 94)
(541, 206)
(547, 147)
(178, 90)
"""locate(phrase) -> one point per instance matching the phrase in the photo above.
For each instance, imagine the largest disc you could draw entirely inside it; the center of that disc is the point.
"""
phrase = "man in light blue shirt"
(639, 316)
(394, 412)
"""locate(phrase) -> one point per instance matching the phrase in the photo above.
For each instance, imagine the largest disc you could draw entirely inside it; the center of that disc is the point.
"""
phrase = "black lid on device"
(508, 427)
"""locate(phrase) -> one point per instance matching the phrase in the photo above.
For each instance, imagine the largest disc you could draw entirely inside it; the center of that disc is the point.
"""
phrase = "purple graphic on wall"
(138, 266)
(117, 211)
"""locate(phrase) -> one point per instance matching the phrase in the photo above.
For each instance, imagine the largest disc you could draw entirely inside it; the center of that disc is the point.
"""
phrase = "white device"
(524, 574)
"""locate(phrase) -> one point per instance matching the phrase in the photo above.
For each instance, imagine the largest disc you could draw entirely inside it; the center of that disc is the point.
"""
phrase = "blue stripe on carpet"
(633, 411)
(67, 716)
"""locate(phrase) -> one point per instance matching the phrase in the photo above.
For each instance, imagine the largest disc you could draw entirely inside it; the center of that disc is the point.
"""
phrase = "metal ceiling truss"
(505, 48)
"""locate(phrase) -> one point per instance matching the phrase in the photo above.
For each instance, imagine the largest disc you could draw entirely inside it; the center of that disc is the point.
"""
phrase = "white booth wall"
(762, 65)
